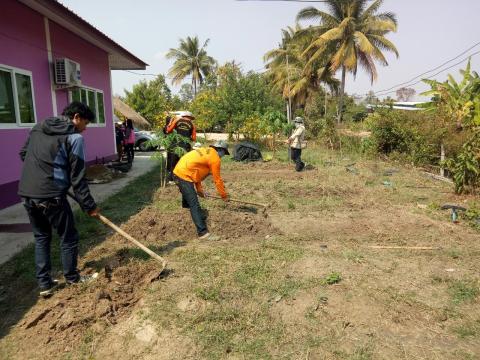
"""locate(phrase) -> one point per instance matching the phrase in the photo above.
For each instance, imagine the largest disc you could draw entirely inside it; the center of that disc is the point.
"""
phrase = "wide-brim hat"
(221, 144)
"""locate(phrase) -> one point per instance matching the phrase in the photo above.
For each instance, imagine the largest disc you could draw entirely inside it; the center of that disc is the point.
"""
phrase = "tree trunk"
(325, 110)
(340, 99)
(288, 111)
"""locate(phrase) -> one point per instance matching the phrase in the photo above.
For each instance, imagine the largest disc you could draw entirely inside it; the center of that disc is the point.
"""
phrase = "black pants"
(130, 152)
(172, 159)
(297, 158)
(44, 215)
(190, 201)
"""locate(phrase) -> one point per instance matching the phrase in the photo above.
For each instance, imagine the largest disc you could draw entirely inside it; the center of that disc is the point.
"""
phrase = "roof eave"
(119, 57)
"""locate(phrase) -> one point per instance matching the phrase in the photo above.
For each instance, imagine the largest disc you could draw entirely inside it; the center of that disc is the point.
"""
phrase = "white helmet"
(184, 114)
(298, 120)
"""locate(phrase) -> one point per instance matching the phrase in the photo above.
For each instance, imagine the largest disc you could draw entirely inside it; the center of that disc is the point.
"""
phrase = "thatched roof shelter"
(138, 120)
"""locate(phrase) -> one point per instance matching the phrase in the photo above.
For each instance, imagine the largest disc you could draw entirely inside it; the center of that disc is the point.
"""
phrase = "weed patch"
(463, 291)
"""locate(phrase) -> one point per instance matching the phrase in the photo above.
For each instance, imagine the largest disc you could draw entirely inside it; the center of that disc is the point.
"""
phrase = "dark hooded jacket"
(54, 160)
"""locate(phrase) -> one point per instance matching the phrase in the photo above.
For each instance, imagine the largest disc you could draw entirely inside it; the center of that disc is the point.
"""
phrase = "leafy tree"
(405, 94)
(371, 98)
(204, 106)
(150, 98)
(191, 59)
(273, 123)
(243, 96)
(289, 72)
(186, 93)
(349, 34)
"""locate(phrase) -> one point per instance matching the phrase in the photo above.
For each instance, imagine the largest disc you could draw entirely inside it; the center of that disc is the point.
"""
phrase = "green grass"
(354, 256)
(240, 284)
(469, 329)
(462, 291)
(332, 278)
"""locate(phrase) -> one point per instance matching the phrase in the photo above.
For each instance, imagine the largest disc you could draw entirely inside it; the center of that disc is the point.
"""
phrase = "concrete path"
(15, 228)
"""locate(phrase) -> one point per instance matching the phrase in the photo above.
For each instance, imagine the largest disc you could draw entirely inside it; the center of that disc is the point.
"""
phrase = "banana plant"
(457, 102)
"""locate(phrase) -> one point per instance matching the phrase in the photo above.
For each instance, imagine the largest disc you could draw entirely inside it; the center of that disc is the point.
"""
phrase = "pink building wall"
(95, 73)
(23, 45)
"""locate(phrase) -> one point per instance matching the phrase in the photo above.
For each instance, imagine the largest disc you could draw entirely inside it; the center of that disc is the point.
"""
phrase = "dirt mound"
(154, 226)
(60, 323)
(57, 324)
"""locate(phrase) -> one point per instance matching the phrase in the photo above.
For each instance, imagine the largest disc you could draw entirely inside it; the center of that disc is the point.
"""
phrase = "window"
(16, 97)
(93, 99)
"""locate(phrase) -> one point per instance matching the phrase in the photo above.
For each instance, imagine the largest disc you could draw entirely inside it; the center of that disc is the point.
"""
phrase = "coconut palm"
(351, 33)
(190, 60)
(289, 73)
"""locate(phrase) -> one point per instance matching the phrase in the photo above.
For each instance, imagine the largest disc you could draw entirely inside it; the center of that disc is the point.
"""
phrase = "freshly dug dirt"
(231, 223)
(58, 323)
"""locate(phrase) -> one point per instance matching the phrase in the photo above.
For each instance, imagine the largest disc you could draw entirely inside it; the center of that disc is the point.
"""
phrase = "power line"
(155, 75)
(429, 77)
(429, 71)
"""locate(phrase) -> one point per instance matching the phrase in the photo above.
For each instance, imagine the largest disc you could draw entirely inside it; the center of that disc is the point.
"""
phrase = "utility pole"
(289, 104)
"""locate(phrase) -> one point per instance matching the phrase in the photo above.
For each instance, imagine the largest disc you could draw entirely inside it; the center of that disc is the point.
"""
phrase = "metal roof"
(119, 57)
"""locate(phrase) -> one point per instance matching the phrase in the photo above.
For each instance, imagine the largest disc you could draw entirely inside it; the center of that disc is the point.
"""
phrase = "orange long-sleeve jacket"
(197, 164)
(184, 127)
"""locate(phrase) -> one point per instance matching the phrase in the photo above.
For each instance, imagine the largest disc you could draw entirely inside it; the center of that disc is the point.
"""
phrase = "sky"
(430, 33)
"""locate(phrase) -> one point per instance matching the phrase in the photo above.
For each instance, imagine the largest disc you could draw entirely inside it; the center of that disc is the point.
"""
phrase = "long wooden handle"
(126, 236)
(239, 201)
(405, 247)
(133, 240)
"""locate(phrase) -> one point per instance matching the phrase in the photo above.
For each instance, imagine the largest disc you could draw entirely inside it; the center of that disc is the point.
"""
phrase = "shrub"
(411, 136)
(465, 167)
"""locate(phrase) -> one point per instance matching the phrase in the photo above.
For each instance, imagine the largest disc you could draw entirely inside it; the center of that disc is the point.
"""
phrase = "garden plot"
(299, 281)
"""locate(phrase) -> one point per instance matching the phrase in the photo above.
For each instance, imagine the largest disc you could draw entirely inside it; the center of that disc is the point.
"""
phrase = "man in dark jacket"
(54, 160)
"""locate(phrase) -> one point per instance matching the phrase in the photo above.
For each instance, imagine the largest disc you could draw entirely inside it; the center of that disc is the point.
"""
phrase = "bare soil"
(260, 291)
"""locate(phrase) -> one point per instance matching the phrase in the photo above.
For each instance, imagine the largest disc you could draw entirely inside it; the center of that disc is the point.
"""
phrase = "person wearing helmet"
(189, 173)
(297, 142)
(183, 125)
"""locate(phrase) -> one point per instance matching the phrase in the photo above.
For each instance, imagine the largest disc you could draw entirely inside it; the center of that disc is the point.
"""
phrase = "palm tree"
(349, 34)
(289, 73)
(190, 60)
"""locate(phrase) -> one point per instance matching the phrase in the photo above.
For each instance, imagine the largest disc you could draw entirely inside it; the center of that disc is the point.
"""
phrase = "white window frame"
(92, 124)
(18, 124)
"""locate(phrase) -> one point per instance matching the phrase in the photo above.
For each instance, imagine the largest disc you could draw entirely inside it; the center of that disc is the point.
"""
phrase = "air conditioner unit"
(67, 72)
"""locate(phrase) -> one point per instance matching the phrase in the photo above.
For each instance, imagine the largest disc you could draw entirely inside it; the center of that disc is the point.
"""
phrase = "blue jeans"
(44, 215)
(190, 201)
(297, 158)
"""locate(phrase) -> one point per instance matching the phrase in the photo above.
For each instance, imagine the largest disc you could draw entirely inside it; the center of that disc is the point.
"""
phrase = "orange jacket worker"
(182, 124)
(192, 168)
